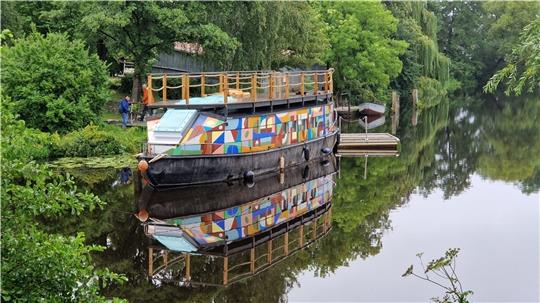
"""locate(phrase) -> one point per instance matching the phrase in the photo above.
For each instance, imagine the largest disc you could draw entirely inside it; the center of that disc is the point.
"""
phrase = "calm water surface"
(467, 177)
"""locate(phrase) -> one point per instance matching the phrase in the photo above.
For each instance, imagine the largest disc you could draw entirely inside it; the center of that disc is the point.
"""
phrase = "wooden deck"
(368, 144)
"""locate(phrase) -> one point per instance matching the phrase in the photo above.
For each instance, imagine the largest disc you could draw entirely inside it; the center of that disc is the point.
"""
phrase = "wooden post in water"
(164, 87)
(395, 111)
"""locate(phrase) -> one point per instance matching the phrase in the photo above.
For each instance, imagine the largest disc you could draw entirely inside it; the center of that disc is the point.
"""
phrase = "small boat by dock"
(371, 122)
(242, 125)
(371, 109)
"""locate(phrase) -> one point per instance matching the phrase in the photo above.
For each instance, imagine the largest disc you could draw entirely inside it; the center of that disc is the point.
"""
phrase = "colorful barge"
(242, 125)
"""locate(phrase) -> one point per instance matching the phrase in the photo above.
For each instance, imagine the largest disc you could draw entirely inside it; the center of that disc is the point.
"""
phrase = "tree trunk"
(135, 89)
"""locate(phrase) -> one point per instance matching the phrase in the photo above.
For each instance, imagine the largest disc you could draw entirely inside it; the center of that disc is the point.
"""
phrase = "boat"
(224, 222)
(239, 125)
(371, 109)
(371, 122)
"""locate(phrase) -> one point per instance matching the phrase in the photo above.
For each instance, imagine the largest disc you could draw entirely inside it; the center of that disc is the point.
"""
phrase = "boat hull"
(172, 171)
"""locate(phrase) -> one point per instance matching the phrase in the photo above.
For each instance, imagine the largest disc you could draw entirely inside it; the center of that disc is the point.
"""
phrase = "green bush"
(55, 83)
(88, 142)
(104, 140)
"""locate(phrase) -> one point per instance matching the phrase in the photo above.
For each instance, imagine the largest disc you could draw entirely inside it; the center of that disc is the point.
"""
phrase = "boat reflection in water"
(222, 233)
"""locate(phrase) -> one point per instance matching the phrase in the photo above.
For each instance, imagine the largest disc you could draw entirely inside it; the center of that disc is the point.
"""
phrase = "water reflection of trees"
(511, 135)
(443, 151)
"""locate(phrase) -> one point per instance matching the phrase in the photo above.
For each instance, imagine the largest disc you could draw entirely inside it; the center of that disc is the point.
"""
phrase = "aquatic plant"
(444, 268)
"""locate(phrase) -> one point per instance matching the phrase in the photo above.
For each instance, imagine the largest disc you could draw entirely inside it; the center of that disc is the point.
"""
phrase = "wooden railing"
(247, 262)
(241, 85)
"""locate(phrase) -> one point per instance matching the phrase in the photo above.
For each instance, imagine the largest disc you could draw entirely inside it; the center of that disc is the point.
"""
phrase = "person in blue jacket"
(123, 107)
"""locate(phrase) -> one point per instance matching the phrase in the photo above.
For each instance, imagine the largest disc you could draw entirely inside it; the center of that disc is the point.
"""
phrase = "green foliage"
(269, 34)
(55, 84)
(423, 60)
(445, 268)
(478, 35)
(522, 71)
(140, 30)
(363, 51)
(38, 266)
(90, 141)
(512, 141)
(430, 92)
(93, 141)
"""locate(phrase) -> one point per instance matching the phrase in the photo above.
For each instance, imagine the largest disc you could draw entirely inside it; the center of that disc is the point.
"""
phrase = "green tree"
(461, 36)
(55, 83)
(138, 31)
(270, 34)
(426, 67)
(522, 70)
(363, 51)
(36, 265)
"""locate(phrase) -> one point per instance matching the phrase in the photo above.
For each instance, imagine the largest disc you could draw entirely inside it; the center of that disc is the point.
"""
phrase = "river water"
(468, 177)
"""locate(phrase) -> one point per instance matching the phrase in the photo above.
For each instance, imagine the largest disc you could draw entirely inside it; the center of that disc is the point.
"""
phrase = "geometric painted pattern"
(257, 216)
(212, 136)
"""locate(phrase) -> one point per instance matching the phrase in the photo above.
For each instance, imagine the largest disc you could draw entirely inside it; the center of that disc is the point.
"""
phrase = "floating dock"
(368, 144)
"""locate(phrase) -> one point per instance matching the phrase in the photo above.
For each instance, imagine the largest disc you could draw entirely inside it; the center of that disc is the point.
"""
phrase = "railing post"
(315, 83)
(150, 261)
(254, 87)
(185, 85)
(286, 244)
(326, 81)
(225, 88)
(187, 259)
(252, 260)
(164, 87)
(270, 251)
(203, 94)
(237, 80)
(225, 270)
(271, 86)
(220, 83)
(302, 84)
(287, 85)
(331, 82)
(301, 242)
(149, 87)
(314, 231)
